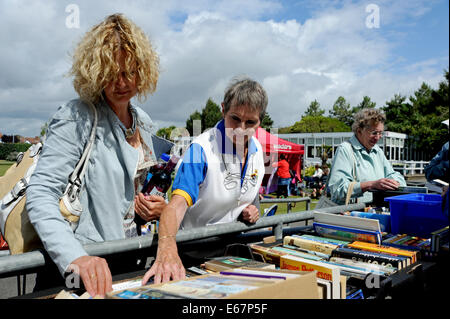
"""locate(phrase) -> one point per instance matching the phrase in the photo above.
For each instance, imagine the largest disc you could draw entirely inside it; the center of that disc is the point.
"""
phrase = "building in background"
(398, 147)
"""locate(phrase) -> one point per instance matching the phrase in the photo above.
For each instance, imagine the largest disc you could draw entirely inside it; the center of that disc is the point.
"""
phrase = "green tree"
(165, 132)
(366, 103)
(314, 109)
(421, 116)
(266, 122)
(313, 124)
(190, 121)
(211, 114)
(342, 111)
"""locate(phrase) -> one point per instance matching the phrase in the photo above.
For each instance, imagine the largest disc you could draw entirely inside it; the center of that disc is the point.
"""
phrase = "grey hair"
(366, 117)
(245, 91)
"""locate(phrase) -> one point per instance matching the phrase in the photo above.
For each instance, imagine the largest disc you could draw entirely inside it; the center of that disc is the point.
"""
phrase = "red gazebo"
(273, 146)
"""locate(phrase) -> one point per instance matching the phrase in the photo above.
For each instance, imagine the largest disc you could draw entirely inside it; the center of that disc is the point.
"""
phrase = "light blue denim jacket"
(108, 187)
(370, 166)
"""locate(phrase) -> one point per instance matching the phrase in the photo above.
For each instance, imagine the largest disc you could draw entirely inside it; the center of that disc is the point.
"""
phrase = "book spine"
(322, 272)
(269, 255)
(309, 244)
(298, 253)
(383, 269)
(384, 249)
(312, 252)
(323, 240)
(367, 257)
(345, 233)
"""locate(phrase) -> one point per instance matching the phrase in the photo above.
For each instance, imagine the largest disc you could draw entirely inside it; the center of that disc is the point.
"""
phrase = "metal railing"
(14, 264)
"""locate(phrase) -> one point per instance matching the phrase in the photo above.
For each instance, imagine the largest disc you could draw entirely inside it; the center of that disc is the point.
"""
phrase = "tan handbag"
(15, 225)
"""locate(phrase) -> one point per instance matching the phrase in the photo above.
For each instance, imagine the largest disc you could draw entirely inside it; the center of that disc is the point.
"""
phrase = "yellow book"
(309, 244)
(384, 249)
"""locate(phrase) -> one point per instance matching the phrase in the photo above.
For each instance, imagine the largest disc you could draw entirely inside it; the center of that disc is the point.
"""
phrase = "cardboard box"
(302, 287)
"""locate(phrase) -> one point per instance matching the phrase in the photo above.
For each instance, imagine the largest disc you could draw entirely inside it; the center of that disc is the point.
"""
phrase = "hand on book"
(168, 265)
(94, 273)
(380, 184)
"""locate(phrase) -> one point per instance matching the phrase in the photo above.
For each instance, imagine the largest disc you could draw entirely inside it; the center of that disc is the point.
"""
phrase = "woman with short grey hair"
(359, 164)
(219, 178)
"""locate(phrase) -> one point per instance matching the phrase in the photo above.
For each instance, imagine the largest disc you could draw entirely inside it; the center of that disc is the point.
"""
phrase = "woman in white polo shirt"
(219, 178)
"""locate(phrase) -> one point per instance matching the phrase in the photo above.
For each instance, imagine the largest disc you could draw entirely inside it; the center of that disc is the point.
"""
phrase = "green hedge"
(6, 148)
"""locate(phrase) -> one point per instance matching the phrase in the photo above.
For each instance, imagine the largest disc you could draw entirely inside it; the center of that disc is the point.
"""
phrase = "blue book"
(347, 233)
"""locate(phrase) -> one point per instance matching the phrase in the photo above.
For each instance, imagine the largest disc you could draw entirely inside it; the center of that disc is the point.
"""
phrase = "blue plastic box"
(416, 214)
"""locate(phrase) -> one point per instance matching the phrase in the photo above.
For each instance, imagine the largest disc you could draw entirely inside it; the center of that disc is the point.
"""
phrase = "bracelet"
(168, 236)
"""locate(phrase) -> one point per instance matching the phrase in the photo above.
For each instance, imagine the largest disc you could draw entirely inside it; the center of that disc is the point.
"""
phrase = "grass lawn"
(282, 207)
(4, 165)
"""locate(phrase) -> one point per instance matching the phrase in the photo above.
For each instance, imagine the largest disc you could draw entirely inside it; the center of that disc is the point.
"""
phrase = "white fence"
(409, 167)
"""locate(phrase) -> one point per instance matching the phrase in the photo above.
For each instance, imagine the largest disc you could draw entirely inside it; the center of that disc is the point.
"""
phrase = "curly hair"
(94, 60)
(366, 117)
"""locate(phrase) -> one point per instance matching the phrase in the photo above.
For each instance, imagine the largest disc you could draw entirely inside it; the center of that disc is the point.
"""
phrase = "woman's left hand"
(250, 214)
(149, 207)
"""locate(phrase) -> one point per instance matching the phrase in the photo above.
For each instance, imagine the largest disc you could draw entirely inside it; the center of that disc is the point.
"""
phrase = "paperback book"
(385, 249)
(323, 270)
(398, 262)
(229, 262)
(347, 228)
(325, 248)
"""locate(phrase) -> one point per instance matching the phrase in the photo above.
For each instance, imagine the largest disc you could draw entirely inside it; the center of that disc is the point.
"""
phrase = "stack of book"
(349, 228)
(243, 283)
(333, 259)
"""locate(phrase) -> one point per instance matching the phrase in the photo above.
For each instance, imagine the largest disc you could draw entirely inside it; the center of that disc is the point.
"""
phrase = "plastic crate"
(416, 214)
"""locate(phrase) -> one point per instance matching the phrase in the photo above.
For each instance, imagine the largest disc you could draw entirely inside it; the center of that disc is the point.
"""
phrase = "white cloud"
(203, 44)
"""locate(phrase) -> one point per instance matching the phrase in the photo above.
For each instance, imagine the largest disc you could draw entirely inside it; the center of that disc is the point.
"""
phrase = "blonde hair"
(366, 117)
(94, 60)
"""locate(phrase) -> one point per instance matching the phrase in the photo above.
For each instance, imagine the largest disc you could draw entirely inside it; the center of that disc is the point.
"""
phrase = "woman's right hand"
(168, 265)
(385, 184)
(94, 273)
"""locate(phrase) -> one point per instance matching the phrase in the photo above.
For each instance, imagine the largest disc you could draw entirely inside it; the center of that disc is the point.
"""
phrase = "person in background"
(113, 62)
(219, 178)
(323, 180)
(315, 178)
(361, 160)
(438, 166)
(284, 176)
(438, 169)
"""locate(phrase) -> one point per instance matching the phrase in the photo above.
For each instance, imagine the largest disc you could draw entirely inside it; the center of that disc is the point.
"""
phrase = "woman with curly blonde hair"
(113, 62)
(359, 164)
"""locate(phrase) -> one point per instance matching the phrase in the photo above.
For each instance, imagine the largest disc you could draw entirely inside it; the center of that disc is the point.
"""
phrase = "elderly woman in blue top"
(113, 62)
(219, 177)
(362, 158)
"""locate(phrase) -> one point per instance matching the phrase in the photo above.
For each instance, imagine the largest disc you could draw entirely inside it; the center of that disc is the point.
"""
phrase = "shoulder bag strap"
(80, 168)
(353, 183)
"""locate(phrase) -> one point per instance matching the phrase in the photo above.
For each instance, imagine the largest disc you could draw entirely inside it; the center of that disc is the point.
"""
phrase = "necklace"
(129, 132)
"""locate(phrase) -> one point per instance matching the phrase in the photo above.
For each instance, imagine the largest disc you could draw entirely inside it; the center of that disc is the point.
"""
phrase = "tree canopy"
(342, 111)
(421, 116)
(316, 124)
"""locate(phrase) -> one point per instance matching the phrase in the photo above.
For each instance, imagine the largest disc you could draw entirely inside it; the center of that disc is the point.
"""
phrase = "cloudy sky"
(298, 50)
